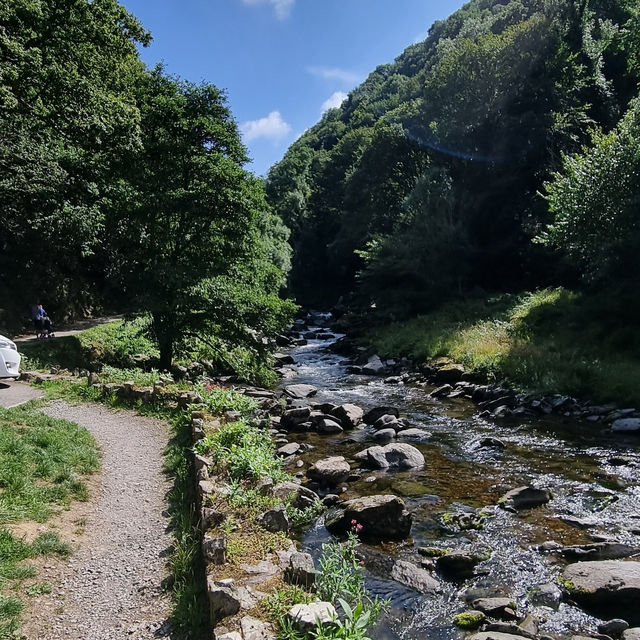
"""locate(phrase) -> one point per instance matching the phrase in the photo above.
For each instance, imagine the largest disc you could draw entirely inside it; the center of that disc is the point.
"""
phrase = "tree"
(193, 238)
(67, 68)
(595, 204)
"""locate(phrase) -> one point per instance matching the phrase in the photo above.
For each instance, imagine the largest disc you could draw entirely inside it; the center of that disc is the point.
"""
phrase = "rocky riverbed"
(523, 510)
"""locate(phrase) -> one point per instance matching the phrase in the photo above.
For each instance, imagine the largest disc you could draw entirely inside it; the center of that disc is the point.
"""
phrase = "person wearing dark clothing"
(42, 322)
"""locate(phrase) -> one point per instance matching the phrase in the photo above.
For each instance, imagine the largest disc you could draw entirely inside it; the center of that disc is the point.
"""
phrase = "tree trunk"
(163, 327)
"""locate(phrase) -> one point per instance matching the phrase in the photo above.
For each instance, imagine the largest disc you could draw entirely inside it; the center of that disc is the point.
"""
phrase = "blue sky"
(282, 62)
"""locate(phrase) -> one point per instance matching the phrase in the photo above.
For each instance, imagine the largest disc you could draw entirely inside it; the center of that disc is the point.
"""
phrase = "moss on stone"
(469, 620)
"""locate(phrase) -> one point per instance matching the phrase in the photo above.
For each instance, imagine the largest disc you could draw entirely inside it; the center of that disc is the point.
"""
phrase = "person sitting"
(42, 323)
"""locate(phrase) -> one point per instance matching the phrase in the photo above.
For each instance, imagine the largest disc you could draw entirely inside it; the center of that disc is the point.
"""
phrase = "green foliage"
(594, 202)
(245, 452)
(279, 603)
(41, 461)
(551, 341)
(340, 574)
(219, 400)
(469, 620)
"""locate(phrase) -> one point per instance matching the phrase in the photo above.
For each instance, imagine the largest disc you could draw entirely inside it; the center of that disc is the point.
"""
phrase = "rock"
(373, 367)
(382, 517)
(349, 415)
(210, 518)
(509, 628)
(307, 616)
(450, 373)
(578, 523)
(329, 471)
(385, 422)
(502, 608)
(495, 635)
(325, 426)
(631, 634)
(253, 629)
(384, 435)
(399, 456)
(607, 587)
(223, 601)
(414, 577)
(598, 551)
(288, 450)
(525, 498)
(292, 418)
(233, 635)
(299, 496)
(214, 550)
(300, 391)
(490, 442)
(458, 564)
(613, 628)
(301, 570)
(469, 620)
(281, 359)
(626, 425)
(546, 595)
(373, 414)
(442, 391)
(275, 520)
(415, 435)
(529, 624)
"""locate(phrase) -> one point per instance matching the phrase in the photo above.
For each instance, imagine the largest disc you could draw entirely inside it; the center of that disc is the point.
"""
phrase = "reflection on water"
(570, 458)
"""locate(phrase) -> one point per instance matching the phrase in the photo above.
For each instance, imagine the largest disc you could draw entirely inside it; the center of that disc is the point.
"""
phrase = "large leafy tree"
(67, 68)
(194, 242)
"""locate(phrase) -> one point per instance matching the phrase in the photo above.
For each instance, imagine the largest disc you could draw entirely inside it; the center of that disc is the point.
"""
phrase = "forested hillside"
(123, 187)
(499, 154)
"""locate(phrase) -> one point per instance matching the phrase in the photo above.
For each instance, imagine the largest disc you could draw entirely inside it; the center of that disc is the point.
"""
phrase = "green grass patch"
(550, 341)
(42, 461)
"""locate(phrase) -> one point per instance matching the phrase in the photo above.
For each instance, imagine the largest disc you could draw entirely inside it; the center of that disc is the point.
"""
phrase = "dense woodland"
(500, 154)
(122, 187)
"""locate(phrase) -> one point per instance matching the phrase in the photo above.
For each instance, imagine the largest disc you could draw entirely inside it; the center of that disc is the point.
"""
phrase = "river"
(573, 459)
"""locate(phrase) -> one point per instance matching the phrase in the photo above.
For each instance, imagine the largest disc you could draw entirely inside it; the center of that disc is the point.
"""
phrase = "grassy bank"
(550, 341)
(42, 462)
(126, 344)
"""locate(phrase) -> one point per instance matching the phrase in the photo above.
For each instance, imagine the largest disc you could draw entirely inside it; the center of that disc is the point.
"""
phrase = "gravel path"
(111, 587)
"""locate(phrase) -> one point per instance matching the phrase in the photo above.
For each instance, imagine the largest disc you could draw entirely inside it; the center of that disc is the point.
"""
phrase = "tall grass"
(550, 341)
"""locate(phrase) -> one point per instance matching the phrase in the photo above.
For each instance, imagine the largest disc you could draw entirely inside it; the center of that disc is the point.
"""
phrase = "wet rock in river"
(330, 471)
(293, 418)
(377, 412)
(398, 456)
(501, 608)
(414, 577)
(386, 421)
(327, 426)
(374, 367)
(300, 391)
(598, 551)
(382, 517)
(459, 564)
(442, 391)
(505, 628)
(491, 443)
(414, 434)
(525, 498)
(450, 373)
(546, 595)
(348, 415)
(626, 425)
(496, 635)
(607, 587)
(613, 628)
(631, 634)
(385, 435)
(288, 450)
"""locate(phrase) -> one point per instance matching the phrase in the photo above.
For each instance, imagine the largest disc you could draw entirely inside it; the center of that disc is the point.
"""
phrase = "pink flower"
(359, 528)
(354, 522)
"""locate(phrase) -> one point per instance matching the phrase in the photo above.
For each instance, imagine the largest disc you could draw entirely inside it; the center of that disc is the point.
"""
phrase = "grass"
(41, 464)
(550, 341)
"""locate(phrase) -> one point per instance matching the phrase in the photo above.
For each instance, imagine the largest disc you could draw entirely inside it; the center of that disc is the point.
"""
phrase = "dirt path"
(71, 329)
(13, 394)
(111, 588)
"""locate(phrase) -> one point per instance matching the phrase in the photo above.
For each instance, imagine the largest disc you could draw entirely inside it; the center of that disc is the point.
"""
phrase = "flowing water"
(570, 458)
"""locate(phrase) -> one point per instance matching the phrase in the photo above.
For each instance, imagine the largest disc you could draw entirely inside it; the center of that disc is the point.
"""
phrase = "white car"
(9, 359)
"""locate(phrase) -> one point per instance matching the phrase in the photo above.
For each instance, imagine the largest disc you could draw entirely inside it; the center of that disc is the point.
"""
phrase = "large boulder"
(327, 426)
(329, 471)
(387, 421)
(293, 418)
(608, 588)
(374, 367)
(396, 455)
(459, 564)
(308, 616)
(598, 551)
(382, 517)
(349, 415)
(525, 498)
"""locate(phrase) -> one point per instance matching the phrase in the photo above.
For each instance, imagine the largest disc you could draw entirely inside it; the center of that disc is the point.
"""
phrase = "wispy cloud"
(273, 127)
(283, 7)
(334, 101)
(333, 73)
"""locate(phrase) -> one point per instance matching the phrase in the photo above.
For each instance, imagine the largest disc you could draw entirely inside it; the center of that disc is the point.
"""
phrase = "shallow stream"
(571, 458)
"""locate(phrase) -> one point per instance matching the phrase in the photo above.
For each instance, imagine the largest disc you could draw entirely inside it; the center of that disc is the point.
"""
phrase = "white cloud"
(272, 127)
(333, 73)
(283, 7)
(334, 101)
